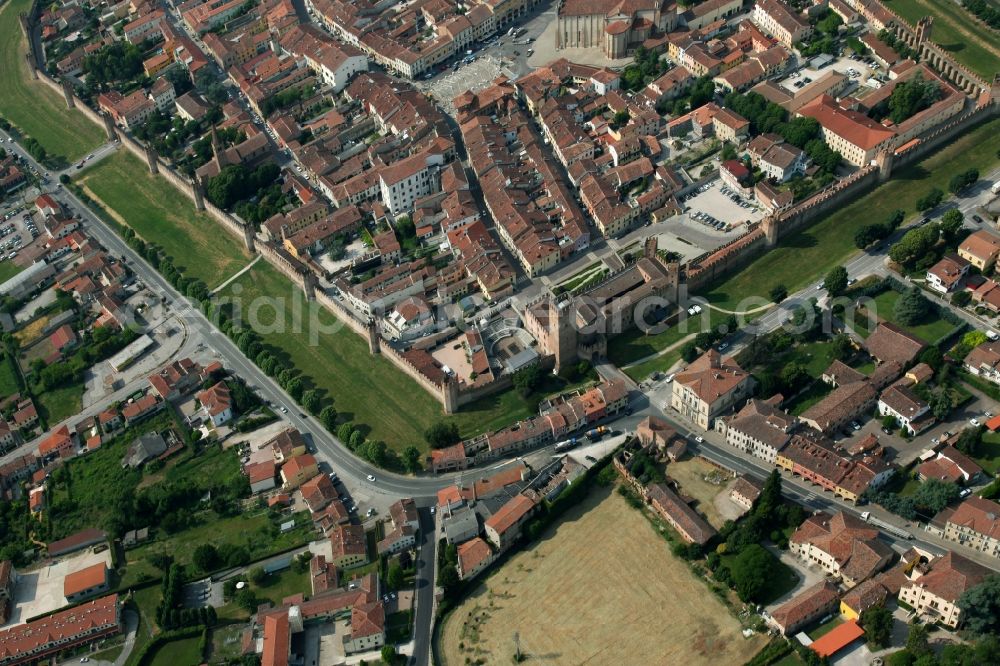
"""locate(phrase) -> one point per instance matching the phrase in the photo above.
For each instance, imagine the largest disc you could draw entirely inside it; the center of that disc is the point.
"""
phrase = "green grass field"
(956, 30)
(365, 389)
(988, 453)
(183, 651)
(162, 215)
(661, 363)
(59, 404)
(808, 254)
(32, 106)
(930, 331)
(8, 269)
(8, 377)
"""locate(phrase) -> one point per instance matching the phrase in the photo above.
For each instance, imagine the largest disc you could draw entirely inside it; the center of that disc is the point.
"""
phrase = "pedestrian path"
(237, 275)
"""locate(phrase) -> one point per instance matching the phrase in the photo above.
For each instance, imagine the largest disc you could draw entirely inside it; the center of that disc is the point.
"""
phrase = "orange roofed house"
(842, 545)
(86, 583)
(709, 387)
(41, 639)
(298, 470)
(504, 527)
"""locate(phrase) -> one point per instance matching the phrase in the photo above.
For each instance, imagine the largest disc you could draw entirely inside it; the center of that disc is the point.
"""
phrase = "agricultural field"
(32, 106)
(811, 252)
(957, 31)
(573, 603)
(160, 214)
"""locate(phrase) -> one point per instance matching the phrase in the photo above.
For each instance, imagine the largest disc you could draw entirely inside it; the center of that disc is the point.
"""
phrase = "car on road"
(371, 477)
(433, 510)
(855, 426)
(284, 410)
(977, 219)
(699, 439)
(974, 422)
(724, 346)
(370, 512)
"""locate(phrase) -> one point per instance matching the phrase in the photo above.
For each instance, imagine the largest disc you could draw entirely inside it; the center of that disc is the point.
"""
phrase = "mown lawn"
(988, 453)
(930, 331)
(31, 105)
(808, 254)
(160, 214)
(956, 30)
(59, 404)
(8, 377)
(661, 363)
(365, 389)
(183, 651)
(8, 269)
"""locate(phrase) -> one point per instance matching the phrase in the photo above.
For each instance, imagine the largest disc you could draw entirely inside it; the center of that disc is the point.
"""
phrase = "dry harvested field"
(600, 588)
(700, 479)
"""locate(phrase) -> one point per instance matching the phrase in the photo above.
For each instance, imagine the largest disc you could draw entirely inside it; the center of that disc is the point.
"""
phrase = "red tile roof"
(836, 640)
(59, 630)
(84, 579)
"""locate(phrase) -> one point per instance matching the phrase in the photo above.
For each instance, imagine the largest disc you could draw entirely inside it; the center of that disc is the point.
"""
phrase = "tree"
(344, 432)
(934, 495)
(981, 606)
(256, 575)
(205, 557)
(312, 401)
(912, 307)
(442, 434)
(917, 643)
(933, 197)
(961, 298)
(394, 576)
(389, 655)
(962, 181)
(877, 623)
(836, 281)
(770, 496)
(526, 380)
(914, 245)
(246, 599)
(889, 422)
(842, 347)
(357, 439)
(750, 572)
(778, 293)
(794, 376)
(411, 458)
(329, 417)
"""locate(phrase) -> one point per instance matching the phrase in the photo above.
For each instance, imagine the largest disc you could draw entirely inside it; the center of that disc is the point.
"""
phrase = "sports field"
(599, 588)
(158, 213)
(957, 31)
(32, 106)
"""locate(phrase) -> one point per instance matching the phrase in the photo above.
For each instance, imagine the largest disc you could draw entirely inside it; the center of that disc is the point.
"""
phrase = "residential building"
(349, 546)
(504, 527)
(399, 539)
(980, 249)
(217, 404)
(950, 465)
(144, 448)
(910, 411)
(760, 429)
(984, 361)
(933, 590)
(86, 582)
(692, 527)
(709, 387)
(473, 556)
(42, 639)
(842, 545)
(808, 606)
(460, 525)
(781, 22)
(176, 379)
(947, 274)
(318, 492)
(296, 471)
(745, 490)
(974, 523)
(854, 135)
(261, 476)
(889, 343)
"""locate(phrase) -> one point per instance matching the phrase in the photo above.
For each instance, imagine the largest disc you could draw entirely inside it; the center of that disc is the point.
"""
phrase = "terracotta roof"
(806, 605)
(848, 540)
(59, 629)
(472, 553)
(276, 640)
(854, 127)
(84, 579)
(711, 376)
(836, 640)
(982, 244)
(367, 619)
(348, 540)
(950, 575)
(978, 514)
(866, 594)
(510, 513)
(216, 399)
(888, 342)
(667, 502)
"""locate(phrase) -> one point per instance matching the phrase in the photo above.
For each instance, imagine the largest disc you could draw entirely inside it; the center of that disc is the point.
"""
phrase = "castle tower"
(67, 88)
(562, 332)
(374, 339)
(924, 27)
(449, 394)
(109, 126)
(884, 161)
(151, 160)
(770, 227)
(197, 193)
(218, 152)
(649, 248)
(249, 241)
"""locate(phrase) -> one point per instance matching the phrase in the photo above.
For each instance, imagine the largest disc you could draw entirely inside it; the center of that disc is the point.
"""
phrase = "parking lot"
(41, 591)
(857, 70)
(17, 230)
(715, 207)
